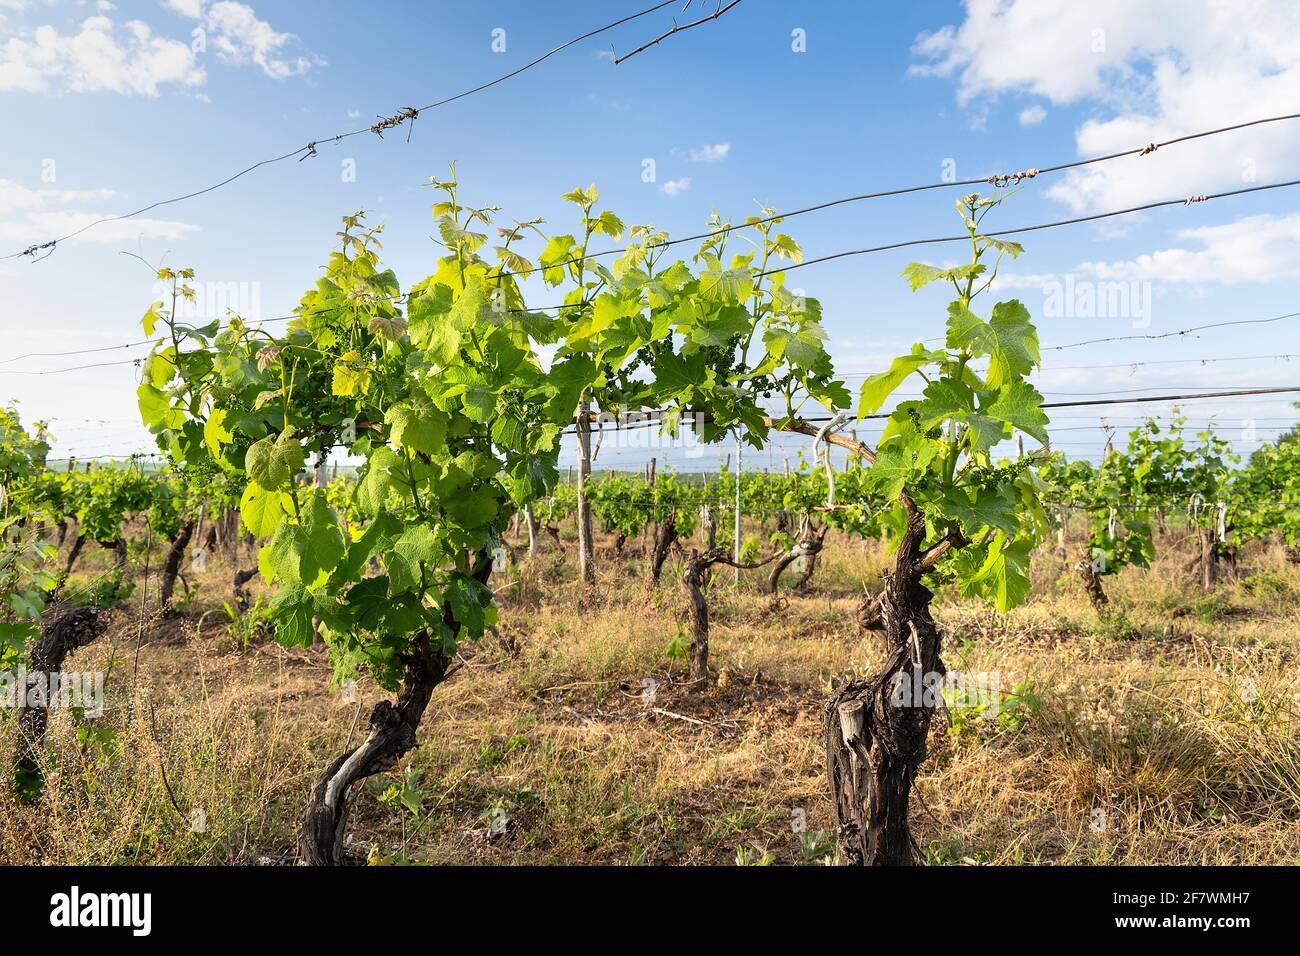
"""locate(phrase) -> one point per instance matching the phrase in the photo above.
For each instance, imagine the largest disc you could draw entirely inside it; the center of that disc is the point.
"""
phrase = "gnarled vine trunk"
(808, 547)
(696, 570)
(74, 552)
(530, 521)
(665, 538)
(68, 632)
(694, 576)
(876, 729)
(709, 527)
(868, 612)
(172, 566)
(815, 548)
(118, 547)
(393, 727)
(787, 559)
(241, 590)
(1229, 554)
(1091, 578)
(1209, 559)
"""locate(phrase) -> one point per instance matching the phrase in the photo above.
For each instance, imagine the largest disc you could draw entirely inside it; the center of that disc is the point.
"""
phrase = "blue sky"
(109, 107)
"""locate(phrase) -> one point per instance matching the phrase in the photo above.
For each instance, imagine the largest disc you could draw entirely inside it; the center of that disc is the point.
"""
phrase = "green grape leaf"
(720, 327)
(378, 537)
(803, 348)
(417, 425)
(731, 285)
(609, 224)
(215, 433)
(262, 510)
(1019, 405)
(273, 461)
(414, 545)
(1008, 339)
(877, 388)
(677, 374)
(558, 250)
(351, 375)
(978, 508)
(322, 541)
(156, 411)
(946, 399)
(899, 462)
(149, 321)
(368, 600)
(292, 609)
(160, 367)
(373, 488)
(1004, 576)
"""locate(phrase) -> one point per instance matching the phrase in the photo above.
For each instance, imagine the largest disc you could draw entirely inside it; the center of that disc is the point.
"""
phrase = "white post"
(738, 453)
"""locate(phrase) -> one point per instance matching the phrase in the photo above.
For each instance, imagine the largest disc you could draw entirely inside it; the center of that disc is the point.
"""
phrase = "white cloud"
(63, 222)
(1026, 281)
(186, 8)
(129, 59)
(18, 198)
(1253, 249)
(240, 38)
(36, 214)
(675, 187)
(710, 152)
(98, 58)
(1061, 383)
(1153, 73)
(1032, 115)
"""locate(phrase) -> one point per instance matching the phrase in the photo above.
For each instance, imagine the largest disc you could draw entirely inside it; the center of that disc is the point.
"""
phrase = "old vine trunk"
(1091, 578)
(665, 538)
(693, 576)
(393, 727)
(66, 633)
(172, 566)
(876, 729)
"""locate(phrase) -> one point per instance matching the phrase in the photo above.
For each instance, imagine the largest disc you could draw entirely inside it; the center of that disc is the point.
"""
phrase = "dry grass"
(1175, 717)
